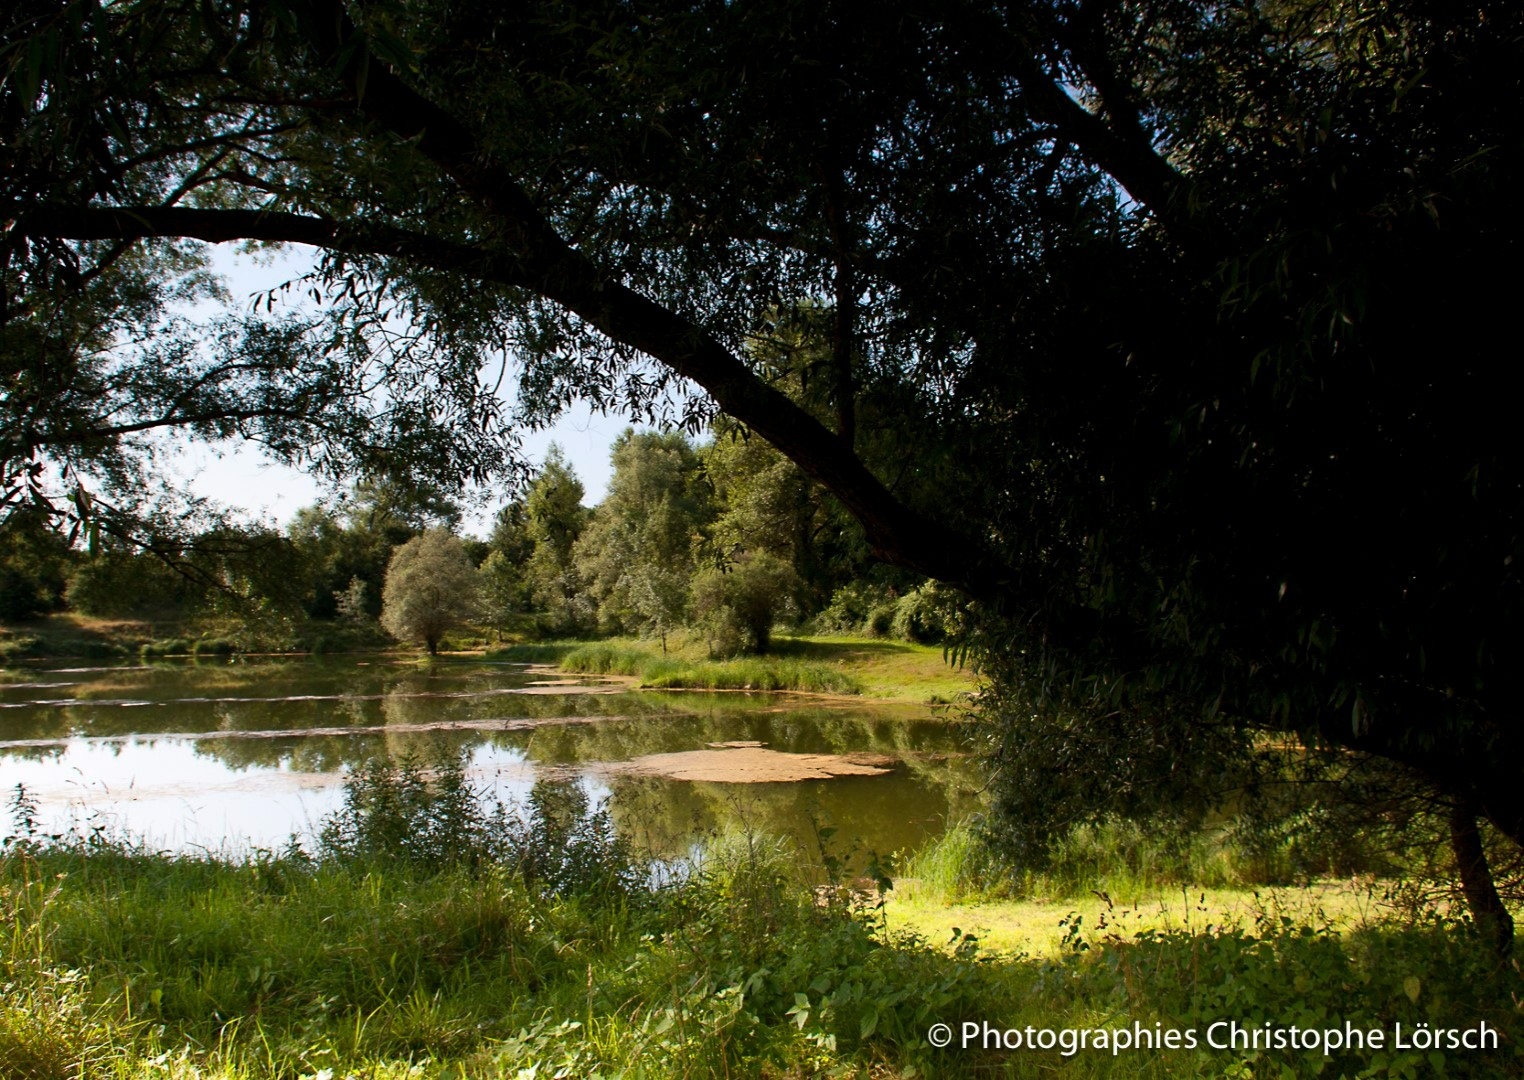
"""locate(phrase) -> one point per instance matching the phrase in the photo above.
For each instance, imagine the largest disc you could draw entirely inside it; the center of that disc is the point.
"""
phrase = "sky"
(238, 475)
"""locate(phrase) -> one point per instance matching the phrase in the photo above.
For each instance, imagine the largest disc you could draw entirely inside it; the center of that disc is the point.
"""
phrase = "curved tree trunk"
(1476, 879)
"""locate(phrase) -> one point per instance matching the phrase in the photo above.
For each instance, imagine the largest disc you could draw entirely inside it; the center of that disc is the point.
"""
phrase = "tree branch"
(1126, 155)
(895, 532)
(221, 226)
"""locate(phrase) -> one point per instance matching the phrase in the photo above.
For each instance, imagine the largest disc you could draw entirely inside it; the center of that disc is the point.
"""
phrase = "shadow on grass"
(844, 651)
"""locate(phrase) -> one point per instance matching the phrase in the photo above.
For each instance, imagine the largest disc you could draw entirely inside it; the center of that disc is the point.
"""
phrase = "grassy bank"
(433, 935)
(885, 670)
(127, 964)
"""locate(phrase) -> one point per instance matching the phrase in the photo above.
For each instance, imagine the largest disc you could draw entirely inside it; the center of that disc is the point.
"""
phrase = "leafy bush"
(409, 812)
(927, 614)
(1289, 972)
(736, 607)
(167, 647)
(124, 583)
(430, 816)
(214, 647)
(567, 846)
(21, 647)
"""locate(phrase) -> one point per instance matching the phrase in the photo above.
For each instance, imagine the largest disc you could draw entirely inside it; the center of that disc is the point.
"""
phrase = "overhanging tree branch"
(274, 226)
(897, 533)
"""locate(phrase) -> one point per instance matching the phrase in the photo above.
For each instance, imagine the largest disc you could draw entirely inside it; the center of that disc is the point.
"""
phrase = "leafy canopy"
(1166, 331)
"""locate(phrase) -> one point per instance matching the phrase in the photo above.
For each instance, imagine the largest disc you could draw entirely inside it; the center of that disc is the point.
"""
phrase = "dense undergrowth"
(432, 935)
(1123, 859)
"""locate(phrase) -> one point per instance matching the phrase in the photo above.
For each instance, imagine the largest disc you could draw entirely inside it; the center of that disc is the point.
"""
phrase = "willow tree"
(1168, 332)
(431, 588)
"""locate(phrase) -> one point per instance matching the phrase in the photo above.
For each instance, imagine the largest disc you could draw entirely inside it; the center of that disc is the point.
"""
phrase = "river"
(236, 757)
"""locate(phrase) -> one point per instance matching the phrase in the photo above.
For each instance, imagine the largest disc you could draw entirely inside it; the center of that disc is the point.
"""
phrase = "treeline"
(724, 539)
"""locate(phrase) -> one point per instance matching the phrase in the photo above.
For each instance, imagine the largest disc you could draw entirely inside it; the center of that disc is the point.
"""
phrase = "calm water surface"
(232, 756)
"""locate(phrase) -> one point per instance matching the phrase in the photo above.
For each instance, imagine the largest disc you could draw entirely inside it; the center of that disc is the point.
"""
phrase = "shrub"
(926, 614)
(430, 816)
(737, 606)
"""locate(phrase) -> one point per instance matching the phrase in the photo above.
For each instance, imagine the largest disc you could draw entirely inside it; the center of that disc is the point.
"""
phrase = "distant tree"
(351, 603)
(656, 578)
(764, 502)
(555, 519)
(120, 582)
(34, 566)
(510, 532)
(430, 587)
(737, 606)
(504, 590)
(399, 508)
(637, 553)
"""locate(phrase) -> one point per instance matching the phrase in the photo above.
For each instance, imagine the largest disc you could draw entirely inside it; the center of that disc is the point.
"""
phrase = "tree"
(504, 591)
(764, 502)
(34, 567)
(556, 518)
(1166, 332)
(430, 588)
(636, 554)
(738, 604)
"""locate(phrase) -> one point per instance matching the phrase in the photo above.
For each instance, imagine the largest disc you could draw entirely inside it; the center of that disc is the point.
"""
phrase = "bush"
(737, 607)
(214, 647)
(850, 608)
(119, 584)
(167, 647)
(431, 817)
(928, 614)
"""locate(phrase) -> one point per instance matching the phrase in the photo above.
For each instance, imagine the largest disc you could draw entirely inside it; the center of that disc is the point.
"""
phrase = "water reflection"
(191, 754)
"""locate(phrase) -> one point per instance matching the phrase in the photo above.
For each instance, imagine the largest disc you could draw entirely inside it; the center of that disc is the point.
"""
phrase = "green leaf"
(869, 1024)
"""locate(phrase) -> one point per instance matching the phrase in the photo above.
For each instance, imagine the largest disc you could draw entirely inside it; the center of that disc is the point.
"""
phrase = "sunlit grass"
(682, 670)
(133, 965)
(1037, 927)
(897, 670)
(888, 670)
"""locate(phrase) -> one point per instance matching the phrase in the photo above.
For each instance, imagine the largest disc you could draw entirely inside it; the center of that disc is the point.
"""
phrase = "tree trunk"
(1476, 879)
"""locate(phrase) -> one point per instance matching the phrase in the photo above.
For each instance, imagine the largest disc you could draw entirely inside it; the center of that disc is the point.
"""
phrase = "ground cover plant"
(431, 934)
(894, 670)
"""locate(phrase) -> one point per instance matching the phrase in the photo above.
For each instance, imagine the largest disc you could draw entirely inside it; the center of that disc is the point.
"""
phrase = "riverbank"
(871, 668)
(876, 669)
(135, 965)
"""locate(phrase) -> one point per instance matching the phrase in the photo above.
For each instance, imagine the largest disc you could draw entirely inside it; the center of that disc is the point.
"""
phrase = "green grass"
(133, 965)
(894, 670)
(1037, 927)
(76, 636)
(887, 670)
(652, 670)
(1125, 860)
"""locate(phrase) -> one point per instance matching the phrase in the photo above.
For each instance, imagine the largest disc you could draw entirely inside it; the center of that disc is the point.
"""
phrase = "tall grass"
(387, 958)
(1121, 859)
(657, 672)
(133, 965)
